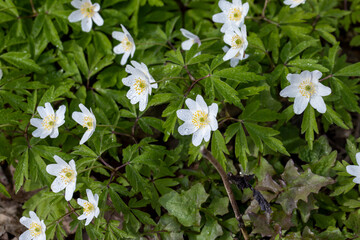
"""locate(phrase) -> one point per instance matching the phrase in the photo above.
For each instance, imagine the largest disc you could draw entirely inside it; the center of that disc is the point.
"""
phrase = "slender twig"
(134, 127)
(345, 5)
(189, 73)
(171, 45)
(105, 163)
(330, 76)
(264, 17)
(227, 186)
(66, 214)
(32, 7)
(193, 84)
(264, 9)
(126, 135)
(115, 170)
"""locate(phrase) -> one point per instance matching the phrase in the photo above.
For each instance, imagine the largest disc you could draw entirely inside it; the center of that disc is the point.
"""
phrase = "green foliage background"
(162, 188)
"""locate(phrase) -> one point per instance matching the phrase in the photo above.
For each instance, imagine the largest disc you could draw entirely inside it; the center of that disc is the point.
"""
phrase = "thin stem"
(67, 214)
(264, 9)
(189, 73)
(193, 84)
(105, 163)
(227, 186)
(330, 76)
(110, 126)
(93, 167)
(32, 7)
(264, 17)
(125, 134)
(115, 170)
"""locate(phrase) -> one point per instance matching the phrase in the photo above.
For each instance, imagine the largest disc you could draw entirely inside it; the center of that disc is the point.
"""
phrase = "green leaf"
(137, 181)
(21, 170)
(239, 74)
(22, 61)
(210, 231)
(308, 64)
(352, 70)
(230, 94)
(4, 191)
(309, 125)
(118, 203)
(301, 47)
(218, 148)
(334, 117)
(219, 206)
(185, 206)
(51, 33)
(200, 58)
(84, 150)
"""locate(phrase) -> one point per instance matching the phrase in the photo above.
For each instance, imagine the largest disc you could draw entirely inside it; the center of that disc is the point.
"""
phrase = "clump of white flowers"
(305, 87)
(87, 13)
(355, 170)
(36, 228)
(232, 15)
(294, 3)
(65, 176)
(237, 39)
(235, 60)
(192, 39)
(140, 82)
(86, 119)
(126, 46)
(91, 208)
(50, 121)
(199, 119)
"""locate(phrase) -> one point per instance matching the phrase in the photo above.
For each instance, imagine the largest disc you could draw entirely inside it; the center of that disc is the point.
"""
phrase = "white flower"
(232, 15)
(127, 45)
(199, 120)
(192, 38)
(87, 13)
(36, 227)
(294, 3)
(91, 209)
(140, 82)
(235, 60)
(50, 121)
(86, 119)
(305, 87)
(65, 176)
(238, 41)
(355, 170)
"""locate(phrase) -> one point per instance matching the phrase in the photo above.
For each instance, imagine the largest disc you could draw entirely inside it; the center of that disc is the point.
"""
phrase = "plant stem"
(60, 218)
(330, 76)
(115, 170)
(207, 154)
(193, 84)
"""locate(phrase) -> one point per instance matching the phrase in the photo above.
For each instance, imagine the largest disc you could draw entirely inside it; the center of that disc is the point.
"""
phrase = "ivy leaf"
(185, 206)
(299, 186)
(210, 231)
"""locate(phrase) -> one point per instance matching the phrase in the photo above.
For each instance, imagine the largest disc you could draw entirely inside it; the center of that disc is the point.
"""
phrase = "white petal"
(219, 18)
(230, 54)
(290, 91)
(44, 133)
(294, 79)
(186, 45)
(36, 122)
(356, 180)
(143, 102)
(197, 137)
(118, 35)
(76, 3)
(318, 103)
(89, 219)
(225, 48)
(72, 165)
(124, 58)
(96, 7)
(48, 109)
(41, 111)
(96, 197)
(207, 133)
(90, 195)
(1, 74)
(97, 212)
(125, 30)
(58, 185)
(245, 10)
(53, 169)
(118, 49)
(323, 90)
(234, 62)
(60, 113)
(213, 109)
(128, 81)
(25, 221)
(98, 20)
(86, 136)
(224, 5)
(37, 132)
(213, 123)
(187, 128)
(76, 16)
(305, 75)
(86, 24)
(82, 217)
(55, 133)
(34, 217)
(300, 104)
(84, 109)
(187, 34)
(357, 156)
(191, 104)
(81, 202)
(69, 191)
(202, 103)
(184, 114)
(60, 161)
(25, 236)
(316, 75)
(353, 170)
(78, 117)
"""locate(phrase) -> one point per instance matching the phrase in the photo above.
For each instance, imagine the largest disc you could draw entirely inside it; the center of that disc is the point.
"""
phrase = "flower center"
(139, 86)
(234, 14)
(87, 9)
(236, 41)
(127, 45)
(88, 122)
(49, 122)
(35, 229)
(307, 88)
(200, 119)
(67, 175)
(88, 208)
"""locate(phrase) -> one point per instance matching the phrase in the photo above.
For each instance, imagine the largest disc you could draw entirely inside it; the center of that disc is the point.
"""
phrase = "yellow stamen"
(88, 208)
(87, 9)
(235, 14)
(139, 86)
(49, 122)
(307, 88)
(236, 41)
(200, 119)
(88, 122)
(35, 229)
(67, 175)
(127, 45)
